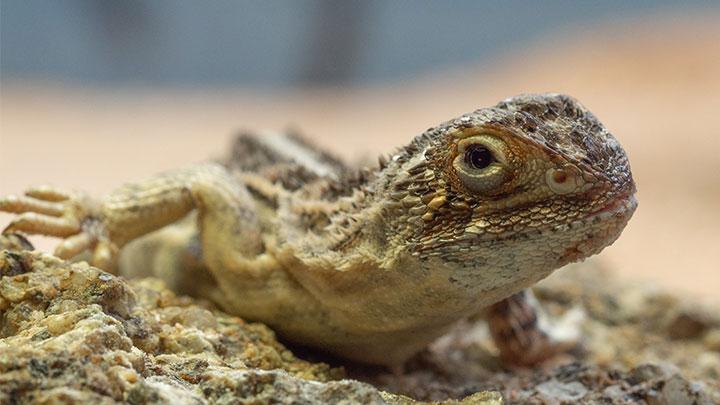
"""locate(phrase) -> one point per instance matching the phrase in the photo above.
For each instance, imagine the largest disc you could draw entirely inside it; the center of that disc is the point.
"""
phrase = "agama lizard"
(373, 265)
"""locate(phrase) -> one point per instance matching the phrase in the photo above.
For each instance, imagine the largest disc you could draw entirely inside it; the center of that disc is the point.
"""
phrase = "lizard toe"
(39, 224)
(48, 193)
(74, 245)
(21, 204)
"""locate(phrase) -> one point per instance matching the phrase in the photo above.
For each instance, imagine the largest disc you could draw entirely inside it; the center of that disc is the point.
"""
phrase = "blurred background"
(94, 94)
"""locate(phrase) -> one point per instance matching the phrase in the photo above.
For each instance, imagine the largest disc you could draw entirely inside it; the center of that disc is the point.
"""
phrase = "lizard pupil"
(478, 157)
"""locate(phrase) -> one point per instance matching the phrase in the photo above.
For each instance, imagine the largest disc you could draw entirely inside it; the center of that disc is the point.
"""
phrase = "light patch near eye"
(564, 180)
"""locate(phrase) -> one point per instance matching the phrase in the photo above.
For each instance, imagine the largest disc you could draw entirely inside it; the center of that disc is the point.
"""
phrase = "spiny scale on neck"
(367, 200)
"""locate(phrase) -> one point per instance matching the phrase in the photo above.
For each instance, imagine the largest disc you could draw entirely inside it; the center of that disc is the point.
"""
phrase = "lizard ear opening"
(481, 163)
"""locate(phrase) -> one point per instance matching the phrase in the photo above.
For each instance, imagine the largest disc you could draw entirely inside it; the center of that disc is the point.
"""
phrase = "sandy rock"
(70, 333)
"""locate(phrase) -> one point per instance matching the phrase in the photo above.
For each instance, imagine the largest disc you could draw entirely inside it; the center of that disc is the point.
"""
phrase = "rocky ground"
(70, 333)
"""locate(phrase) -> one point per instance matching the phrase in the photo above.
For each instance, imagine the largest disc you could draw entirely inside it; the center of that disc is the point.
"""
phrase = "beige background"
(655, 83)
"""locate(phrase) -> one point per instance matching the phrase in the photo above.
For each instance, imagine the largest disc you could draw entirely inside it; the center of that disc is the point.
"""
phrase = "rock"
(554, 390)
(677, 391)
(70, 333)
(649, 372)
(712, 340)
(689, 324)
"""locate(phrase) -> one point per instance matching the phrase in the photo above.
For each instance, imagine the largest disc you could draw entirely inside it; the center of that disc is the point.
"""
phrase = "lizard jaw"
(608, 222)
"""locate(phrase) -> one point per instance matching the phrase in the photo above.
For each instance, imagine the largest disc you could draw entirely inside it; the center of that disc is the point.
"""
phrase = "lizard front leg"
(226, 214)
(523, 333)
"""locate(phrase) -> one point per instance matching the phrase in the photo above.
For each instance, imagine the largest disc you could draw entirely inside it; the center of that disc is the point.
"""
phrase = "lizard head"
(514, 191)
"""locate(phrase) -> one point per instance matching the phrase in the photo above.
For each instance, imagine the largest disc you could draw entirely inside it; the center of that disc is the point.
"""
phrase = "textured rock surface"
(72, 333)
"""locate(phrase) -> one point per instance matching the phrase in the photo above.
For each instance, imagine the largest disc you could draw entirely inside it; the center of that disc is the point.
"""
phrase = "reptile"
(373, 264)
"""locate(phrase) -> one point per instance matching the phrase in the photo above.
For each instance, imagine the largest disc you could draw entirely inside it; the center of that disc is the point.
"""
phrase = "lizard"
(369, 265)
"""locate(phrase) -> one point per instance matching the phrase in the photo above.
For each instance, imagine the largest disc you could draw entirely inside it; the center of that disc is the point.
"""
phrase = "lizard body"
(370, 266)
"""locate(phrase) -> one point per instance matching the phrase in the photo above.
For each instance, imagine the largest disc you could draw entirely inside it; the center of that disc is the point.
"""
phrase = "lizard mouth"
(615, 216)
(618, 211)
(623, 204)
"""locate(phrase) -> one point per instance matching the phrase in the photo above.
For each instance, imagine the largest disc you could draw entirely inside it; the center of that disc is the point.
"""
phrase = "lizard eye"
(481, 163)
(478, 156)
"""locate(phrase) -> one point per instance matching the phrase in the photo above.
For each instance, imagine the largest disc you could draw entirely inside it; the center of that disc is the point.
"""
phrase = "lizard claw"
(72, 216)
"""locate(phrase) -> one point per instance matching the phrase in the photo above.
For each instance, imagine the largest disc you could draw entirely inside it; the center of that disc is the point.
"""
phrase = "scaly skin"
(371, 266)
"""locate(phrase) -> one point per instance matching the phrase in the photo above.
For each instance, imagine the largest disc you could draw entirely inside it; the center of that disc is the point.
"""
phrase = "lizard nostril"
(563, 181)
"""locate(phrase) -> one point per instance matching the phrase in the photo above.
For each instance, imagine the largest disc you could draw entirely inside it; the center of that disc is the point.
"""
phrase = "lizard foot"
(524, 334)
(72, 216)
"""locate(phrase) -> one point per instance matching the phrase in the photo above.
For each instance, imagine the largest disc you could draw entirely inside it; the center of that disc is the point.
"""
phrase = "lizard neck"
(380, 211)
(374, 213)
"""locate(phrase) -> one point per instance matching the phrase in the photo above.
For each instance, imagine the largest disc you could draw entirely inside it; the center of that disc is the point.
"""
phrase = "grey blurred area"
(278, 42)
